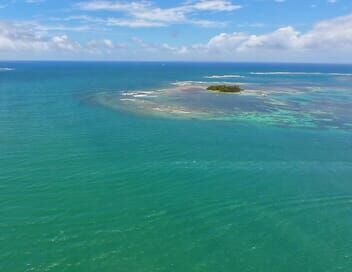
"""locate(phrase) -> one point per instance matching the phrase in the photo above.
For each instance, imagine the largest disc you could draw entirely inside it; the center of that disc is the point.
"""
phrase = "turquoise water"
(92, 186)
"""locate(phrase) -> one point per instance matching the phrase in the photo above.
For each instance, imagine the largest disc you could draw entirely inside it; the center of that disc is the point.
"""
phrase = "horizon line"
(183, 61)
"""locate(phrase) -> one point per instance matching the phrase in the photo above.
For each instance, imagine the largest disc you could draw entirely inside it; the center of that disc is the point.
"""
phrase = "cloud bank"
(326, 41)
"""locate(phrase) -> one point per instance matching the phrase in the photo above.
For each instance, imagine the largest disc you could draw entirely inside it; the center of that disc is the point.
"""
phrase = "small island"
(225, 88)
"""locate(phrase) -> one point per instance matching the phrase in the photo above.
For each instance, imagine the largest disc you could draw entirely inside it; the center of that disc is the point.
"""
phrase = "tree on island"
(225, 88)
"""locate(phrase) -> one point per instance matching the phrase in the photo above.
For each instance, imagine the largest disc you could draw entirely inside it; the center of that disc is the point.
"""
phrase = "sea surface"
(135, 166)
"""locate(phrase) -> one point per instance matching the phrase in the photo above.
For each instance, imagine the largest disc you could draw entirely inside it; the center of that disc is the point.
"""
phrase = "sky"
(169, 30)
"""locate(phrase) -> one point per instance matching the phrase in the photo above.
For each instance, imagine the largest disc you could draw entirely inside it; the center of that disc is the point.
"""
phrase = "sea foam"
(6, 69)
(224, 76)
(301, 73)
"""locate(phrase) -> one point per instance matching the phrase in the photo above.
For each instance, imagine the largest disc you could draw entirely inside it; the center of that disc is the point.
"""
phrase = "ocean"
(134, 166)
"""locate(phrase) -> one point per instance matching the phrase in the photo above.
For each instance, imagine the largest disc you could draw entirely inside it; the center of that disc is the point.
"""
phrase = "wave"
(188, 83)
(224, 76)
(6, 69)
(301, 73)
(139, 94)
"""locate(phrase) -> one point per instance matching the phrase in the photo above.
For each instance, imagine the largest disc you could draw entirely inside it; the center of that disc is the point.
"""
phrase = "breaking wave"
(301, 73)
(6, 69)
(224, 76)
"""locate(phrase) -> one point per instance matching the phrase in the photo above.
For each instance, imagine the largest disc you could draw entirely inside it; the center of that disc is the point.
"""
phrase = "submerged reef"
(225, 88)
(281, 105)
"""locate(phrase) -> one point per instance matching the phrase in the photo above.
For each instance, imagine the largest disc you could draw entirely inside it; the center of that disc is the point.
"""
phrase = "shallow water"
(303, 104)
(92, 184)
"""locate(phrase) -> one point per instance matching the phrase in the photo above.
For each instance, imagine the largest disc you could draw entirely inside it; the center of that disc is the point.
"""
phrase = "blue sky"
(198, 30)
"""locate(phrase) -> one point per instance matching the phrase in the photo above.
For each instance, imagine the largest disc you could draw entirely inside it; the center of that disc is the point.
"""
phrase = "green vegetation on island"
(225, 88)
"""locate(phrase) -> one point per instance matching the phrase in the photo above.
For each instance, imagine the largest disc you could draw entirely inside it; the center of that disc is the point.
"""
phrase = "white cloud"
(27, 37)
(14, 38)
(227, 42)
(108, 43)
(34, 1)
(216, 5)
(146, 14)
(283, 38)
(104, 47)
(328, 40)
(113, 6)
(133, 23)
(64, 43)
(330, 34)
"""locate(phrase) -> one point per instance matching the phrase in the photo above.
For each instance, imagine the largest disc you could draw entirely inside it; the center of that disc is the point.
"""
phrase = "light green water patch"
(278, 117)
